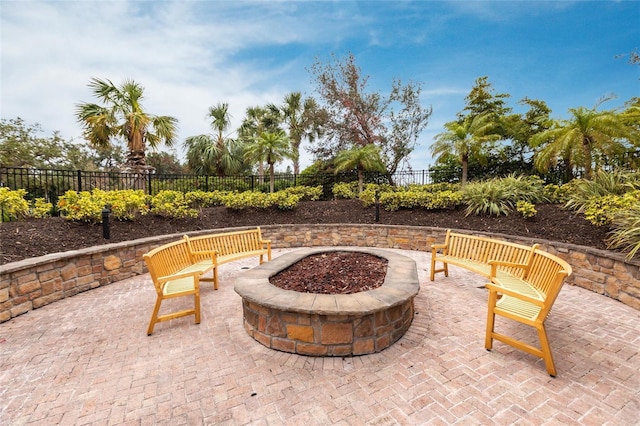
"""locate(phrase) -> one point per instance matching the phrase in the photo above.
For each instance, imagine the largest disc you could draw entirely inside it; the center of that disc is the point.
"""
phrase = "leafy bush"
(487, 198)
(87, 206)
(311, 193)
(527, 209)
(601, 210)
(124, 204)
(626, 231)
(581, 191)
(13, 205)
(40, 208)
(345, 190)
(499, 196)
(556, 194)
(410, 199)
(247, 199)
(82, 206)
(284, 200)
(172, 204)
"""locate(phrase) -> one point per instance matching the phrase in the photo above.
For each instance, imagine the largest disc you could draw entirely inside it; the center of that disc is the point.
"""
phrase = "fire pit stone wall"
(323, 324)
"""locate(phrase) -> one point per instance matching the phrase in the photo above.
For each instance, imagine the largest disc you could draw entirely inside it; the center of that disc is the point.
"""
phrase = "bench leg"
(491, 318)
(546, 351)
(215, 278)
(445, 269)
(196, 302)
(154, 316)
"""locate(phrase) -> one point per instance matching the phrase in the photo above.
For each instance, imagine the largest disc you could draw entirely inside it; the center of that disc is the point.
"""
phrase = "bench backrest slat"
(167, 260)
(482, 250)
(226, 243)
(547, 274)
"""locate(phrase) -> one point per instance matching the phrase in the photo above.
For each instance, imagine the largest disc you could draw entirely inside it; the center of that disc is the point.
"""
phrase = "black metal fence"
(50, 183)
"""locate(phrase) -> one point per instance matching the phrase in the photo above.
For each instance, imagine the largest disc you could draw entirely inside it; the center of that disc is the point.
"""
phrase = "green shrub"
(124, 204)
(581, 191)
(556, 194)
(626, 231)
(487, 198)
(172, 204)
(527, 209)
(499, 196)
(82, 206)
(40, 208)
(13, 205)
(411, 199)
(311, 193)
(601, 210)
(247, 199)
(285, 201)
(345, 190)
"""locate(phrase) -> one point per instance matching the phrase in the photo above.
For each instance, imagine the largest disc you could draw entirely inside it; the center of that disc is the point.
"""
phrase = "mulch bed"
(32, 238)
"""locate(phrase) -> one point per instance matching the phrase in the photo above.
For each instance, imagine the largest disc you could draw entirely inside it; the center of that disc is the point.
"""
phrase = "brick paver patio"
(88, 360)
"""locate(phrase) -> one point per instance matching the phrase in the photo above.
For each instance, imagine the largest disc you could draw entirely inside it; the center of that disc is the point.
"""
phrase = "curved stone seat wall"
(32, 283)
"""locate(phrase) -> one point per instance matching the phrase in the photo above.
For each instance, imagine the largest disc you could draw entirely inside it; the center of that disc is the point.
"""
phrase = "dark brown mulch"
(336, 272)
(20, 240)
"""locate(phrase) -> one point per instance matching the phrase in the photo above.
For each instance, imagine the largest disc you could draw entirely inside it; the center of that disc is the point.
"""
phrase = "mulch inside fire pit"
(337, 272)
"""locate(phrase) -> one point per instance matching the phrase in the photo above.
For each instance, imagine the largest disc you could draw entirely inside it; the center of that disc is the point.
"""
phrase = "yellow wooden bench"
(527, 299)
(474, 253)
(524, 283)
(174, 274)
(216, 249)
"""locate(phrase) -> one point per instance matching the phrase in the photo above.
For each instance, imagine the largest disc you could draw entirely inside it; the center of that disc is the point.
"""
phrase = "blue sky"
(191, 55)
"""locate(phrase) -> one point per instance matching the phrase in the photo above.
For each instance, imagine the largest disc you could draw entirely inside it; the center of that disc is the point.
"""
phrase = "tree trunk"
(465, 167)
(272, 179)
(588, 159)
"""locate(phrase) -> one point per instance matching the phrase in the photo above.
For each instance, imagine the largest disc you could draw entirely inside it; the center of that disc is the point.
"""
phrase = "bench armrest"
(495, 263)
(267, 242)
(210, 253)
(436, 247)
(502, 290)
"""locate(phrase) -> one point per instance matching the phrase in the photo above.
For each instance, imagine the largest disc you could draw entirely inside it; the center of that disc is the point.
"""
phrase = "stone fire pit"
(326, 324)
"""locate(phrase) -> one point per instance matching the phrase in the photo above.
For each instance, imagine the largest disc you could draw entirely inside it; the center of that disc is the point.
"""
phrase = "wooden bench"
(174, 274)
(474, 253)
(524, 282)
(216, 249)
(527, 300)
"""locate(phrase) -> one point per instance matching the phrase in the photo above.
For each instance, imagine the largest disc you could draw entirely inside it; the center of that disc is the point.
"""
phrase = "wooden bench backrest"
(226, 243)
(167, 259)
(547, 274)
(482, 250)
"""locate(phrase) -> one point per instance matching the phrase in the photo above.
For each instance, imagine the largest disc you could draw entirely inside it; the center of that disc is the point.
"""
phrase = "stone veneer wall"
(33, 283)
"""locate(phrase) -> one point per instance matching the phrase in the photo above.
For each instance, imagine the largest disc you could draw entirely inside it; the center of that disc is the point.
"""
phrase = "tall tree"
(356, 117)
(269, 147)
(471, 138)
(257, 121)
(21, 145)
(482, 99)
(217, 153)
(585, 140)
(122, 116)
(362, 158)
(304, 120)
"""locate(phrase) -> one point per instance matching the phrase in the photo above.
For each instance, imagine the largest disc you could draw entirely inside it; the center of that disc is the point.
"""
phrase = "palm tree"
(304, 122)
(214, 154)
(257, 121)
(123, 116)
(362, 158)
(269, 147)
(584, 139)
(465, 139)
